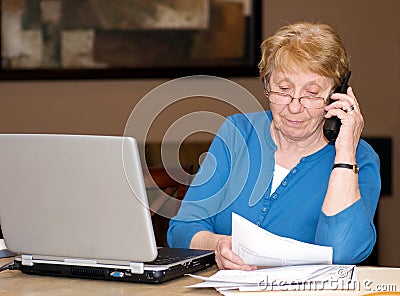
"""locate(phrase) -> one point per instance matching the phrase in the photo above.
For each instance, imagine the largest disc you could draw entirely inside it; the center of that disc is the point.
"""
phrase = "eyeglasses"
(308, 102)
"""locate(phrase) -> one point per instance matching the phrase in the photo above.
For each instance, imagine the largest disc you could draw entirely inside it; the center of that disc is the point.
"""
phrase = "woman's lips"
(294, 122)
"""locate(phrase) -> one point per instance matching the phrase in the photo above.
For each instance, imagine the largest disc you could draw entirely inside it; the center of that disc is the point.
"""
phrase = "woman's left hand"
(226, 258)
(347, 109)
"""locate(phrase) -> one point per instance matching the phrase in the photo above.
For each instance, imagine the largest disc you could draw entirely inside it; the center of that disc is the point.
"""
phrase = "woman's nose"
(295, 106)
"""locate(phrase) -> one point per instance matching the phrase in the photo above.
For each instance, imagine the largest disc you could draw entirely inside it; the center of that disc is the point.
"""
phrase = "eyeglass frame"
(268, 92)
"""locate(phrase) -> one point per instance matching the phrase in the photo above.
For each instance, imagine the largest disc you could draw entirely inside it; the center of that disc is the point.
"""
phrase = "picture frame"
(102, 39)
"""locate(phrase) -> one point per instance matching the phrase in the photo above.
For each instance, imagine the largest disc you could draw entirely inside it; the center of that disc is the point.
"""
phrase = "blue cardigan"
(236, 176)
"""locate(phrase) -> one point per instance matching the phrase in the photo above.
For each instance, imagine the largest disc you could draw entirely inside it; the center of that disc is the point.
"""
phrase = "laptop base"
(154, 272)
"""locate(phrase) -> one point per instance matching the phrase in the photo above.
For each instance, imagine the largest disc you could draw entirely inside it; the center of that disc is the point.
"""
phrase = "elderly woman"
(277, 169)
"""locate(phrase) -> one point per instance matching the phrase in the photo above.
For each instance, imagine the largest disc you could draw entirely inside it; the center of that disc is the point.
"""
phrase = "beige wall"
(370, 30)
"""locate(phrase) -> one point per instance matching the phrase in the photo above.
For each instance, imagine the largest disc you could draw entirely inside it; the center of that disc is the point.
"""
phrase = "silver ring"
(351, 108)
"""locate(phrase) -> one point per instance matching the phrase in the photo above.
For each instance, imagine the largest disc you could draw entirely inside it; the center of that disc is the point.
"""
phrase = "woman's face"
(293, 121)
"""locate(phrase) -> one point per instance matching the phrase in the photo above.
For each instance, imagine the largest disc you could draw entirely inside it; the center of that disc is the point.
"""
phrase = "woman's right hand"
(226, 258)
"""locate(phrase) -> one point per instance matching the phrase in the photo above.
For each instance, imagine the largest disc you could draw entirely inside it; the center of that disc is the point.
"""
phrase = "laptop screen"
(74, 196)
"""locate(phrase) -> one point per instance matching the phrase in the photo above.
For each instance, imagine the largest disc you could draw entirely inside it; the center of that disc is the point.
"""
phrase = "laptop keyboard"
(165, 259)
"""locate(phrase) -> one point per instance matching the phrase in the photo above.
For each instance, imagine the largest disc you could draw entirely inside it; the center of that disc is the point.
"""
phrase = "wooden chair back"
(160, 177)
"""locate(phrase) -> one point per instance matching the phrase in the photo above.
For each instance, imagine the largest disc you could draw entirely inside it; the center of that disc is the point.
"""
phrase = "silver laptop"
(76, 206)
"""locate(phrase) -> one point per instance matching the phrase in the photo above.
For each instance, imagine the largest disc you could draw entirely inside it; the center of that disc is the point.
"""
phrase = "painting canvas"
(128, 38)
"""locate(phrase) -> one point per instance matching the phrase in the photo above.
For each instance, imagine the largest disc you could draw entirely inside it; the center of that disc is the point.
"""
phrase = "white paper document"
(3, 250)
(257, 246)
(2, 244)
(285, 278)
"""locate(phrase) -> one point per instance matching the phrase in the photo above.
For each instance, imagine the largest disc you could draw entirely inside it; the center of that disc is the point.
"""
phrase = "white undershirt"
(279, 174)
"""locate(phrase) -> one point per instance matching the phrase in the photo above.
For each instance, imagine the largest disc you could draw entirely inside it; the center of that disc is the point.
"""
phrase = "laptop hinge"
(27, 260)
(80, 262)
(137, 267)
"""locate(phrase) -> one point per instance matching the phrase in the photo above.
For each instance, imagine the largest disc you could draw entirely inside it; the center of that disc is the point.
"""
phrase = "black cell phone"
(332, 125)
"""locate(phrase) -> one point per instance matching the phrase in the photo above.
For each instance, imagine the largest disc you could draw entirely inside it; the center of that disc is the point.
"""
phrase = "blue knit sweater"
(236, 176)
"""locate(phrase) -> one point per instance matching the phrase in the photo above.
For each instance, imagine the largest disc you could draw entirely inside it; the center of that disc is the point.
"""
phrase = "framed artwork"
(94, 39)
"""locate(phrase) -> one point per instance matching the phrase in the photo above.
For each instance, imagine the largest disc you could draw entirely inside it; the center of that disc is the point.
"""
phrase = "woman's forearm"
(343, 191)
(205, 240)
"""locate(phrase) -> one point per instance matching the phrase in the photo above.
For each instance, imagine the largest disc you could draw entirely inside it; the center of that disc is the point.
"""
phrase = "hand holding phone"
(332, 125)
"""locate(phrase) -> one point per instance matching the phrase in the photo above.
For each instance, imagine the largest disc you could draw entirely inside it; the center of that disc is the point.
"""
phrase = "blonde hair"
(314, 46)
